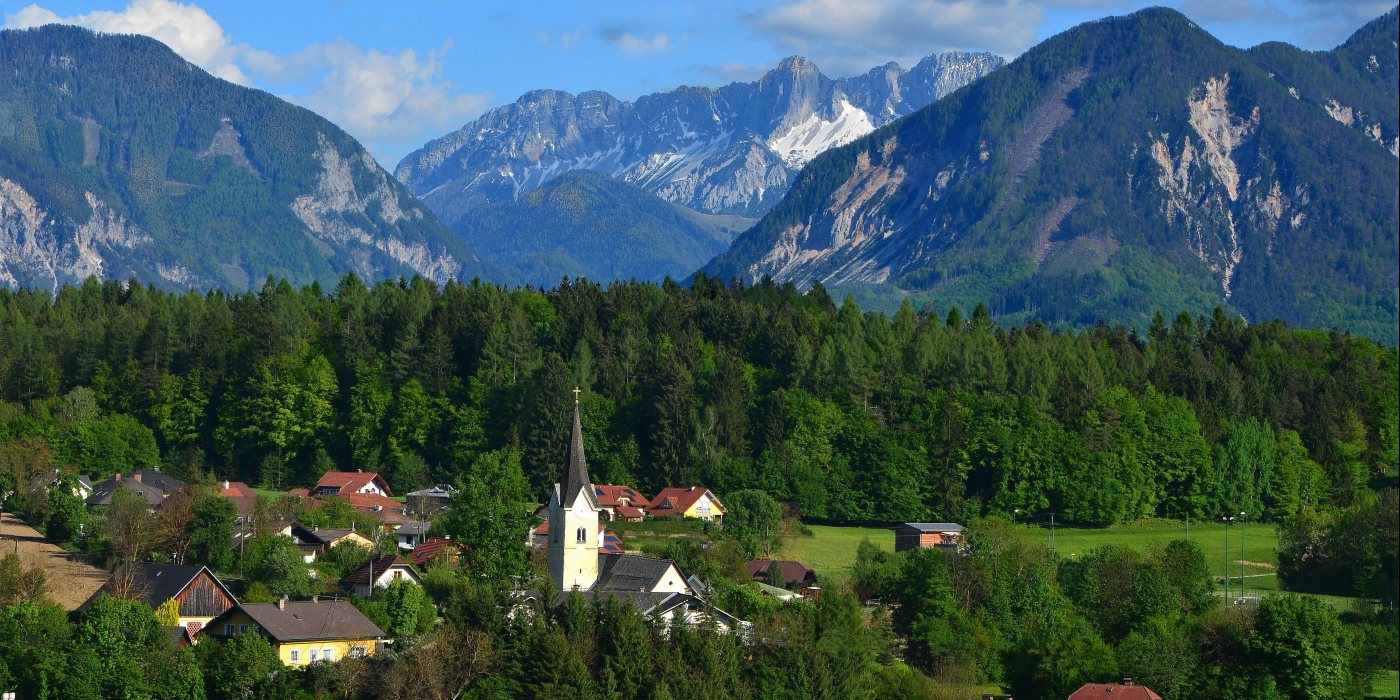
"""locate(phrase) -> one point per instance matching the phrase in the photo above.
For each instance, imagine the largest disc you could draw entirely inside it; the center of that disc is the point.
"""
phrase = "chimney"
(1127, 681)
(315, 599)
(225, 485)
(117, 476)
(137, 477)
(282, 603)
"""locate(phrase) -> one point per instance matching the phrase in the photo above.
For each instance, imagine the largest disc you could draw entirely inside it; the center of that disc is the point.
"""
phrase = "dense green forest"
(847, 415)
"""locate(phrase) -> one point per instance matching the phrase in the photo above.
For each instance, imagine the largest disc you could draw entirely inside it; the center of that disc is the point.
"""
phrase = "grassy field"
(831, 551)
(1260, 546)
(1386, 685)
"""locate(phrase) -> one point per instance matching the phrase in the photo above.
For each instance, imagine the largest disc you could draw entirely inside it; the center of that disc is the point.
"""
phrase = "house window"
(582, 535)
(313, 656)
(357, 652)
(242, 629)
(295, 656)
(328, 655)
(228, 630)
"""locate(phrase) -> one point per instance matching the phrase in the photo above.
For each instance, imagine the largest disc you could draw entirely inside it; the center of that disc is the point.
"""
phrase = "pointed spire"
(575, 466)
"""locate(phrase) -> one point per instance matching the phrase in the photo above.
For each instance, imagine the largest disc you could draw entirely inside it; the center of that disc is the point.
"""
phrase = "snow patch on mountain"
(809, 139)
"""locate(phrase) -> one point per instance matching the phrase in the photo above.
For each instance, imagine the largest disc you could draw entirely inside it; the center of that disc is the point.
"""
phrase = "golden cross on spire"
(577, 391)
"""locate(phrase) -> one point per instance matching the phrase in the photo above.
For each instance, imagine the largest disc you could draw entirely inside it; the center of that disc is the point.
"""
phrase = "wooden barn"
(201, 596)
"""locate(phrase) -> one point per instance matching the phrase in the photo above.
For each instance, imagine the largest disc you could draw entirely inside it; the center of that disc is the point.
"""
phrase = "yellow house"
(303, 631)
(694, 502)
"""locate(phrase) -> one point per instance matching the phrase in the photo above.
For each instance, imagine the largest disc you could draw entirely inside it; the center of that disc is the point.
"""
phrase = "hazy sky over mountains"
(395, 74)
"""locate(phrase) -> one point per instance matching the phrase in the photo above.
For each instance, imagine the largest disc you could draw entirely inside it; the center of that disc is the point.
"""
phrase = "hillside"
(586, 224)
(119, 159)
(730, 150)
(1127, 165)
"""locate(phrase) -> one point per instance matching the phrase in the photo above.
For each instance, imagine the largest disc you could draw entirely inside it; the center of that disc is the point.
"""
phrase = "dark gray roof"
(323, 535)
(629, 572)
(305, 619)
(576, 469)
(413, 527)
(376, 566)
(103, 491)
(935, 527)
(156, 583)
(644, 602)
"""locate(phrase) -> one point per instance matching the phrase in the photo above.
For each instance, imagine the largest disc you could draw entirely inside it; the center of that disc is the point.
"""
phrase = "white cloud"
(632, 43)
(386, 100)
(371, 94)
(187, 29)
(845, 36)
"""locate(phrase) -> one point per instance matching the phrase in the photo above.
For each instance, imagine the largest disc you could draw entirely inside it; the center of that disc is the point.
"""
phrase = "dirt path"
(70, 582)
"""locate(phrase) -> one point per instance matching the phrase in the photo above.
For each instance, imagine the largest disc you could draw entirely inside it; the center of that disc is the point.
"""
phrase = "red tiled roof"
(426, 552)
(241, 494)
(299, 492)
(681, 499)
(350, 482)
(630, 512)
(1113, 691)
(611, 496)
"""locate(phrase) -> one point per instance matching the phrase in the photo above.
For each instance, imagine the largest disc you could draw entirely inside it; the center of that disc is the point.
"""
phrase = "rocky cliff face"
(1086, 182)
(731, 150)
(119, 160)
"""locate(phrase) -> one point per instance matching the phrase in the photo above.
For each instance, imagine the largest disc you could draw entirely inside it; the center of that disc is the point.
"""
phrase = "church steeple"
(575, 477)
(573, 519)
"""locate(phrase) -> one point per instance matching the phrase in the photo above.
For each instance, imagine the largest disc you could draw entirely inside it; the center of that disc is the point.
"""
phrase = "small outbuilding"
(1114, 691)
(909, 536)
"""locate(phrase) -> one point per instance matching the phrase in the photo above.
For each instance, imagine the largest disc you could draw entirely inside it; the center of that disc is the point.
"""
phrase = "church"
(653, 586)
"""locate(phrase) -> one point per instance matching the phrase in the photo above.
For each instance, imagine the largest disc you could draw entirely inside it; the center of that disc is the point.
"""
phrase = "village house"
(426, 503)
(621, 502)
(346, 483)
(694, 502)
(410, 534)
(374, 505)
(242, 496)
(1114, 691)
(795, 574)
(201, 596)
(655, 587)
(945, 536)
(436, 549)
(151, 484)
(315, 541)
(380, 571)
(305, 631)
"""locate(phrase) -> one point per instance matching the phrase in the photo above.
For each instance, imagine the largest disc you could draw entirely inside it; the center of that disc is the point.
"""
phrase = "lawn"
(831, 550)
(1260, 546)
(1386, 685)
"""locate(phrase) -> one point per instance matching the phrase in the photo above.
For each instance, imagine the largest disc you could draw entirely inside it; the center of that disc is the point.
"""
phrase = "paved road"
(70, 582)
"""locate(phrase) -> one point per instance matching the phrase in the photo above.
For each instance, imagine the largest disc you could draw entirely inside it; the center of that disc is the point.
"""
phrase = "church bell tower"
(573, 520)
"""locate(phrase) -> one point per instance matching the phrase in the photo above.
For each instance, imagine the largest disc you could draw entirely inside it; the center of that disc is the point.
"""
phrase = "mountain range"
(120, 159)
(732, 150)
(1127, 165)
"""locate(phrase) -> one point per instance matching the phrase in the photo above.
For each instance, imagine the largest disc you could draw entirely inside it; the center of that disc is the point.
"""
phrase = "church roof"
(575, 478)
(630, 572)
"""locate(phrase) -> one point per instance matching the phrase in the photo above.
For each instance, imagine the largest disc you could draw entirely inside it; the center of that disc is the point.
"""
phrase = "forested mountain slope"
(120, 159)
(586, 224)
(1127, 164)
(731, 150)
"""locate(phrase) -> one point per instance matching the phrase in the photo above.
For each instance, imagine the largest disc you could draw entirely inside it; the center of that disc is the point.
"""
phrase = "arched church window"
(582, 535)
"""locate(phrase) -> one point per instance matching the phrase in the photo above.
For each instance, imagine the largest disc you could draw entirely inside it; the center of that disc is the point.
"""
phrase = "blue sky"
(396, 74)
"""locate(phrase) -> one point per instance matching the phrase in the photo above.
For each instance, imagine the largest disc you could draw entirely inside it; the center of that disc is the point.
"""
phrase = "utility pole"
(1052, 533)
